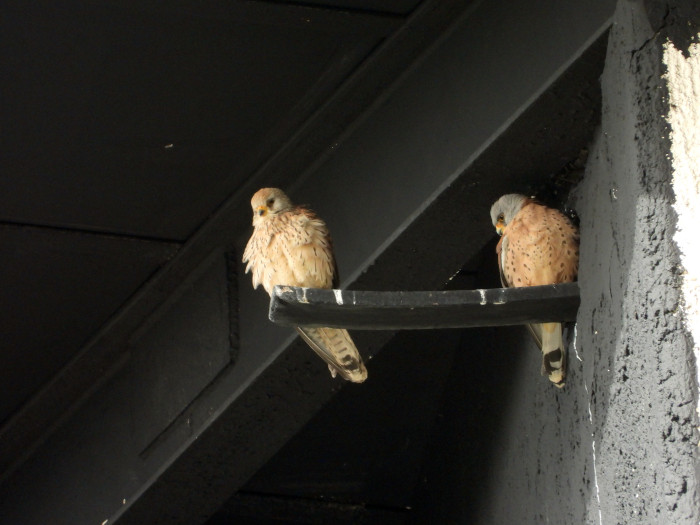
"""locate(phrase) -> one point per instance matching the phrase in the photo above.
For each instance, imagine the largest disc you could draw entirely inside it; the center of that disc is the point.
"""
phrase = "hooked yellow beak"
(261, 210)
(500, 227)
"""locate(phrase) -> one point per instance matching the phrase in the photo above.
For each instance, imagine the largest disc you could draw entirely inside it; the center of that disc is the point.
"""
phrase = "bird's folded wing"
(536, 330)
(336, 348)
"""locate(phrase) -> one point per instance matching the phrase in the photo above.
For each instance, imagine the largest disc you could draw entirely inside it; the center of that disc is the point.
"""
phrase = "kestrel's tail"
(336, 348)
(549, 339)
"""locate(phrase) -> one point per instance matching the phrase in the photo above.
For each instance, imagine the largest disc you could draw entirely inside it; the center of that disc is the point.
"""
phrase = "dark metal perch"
(369, 310)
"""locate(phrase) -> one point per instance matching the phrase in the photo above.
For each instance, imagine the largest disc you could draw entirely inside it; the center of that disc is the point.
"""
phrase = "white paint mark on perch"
(338, 297)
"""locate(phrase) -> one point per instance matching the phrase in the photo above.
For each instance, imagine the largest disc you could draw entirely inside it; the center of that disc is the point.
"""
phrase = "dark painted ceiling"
(137, 120)
(58, 288)
(129, 129)
(125, 125)
(142, 120)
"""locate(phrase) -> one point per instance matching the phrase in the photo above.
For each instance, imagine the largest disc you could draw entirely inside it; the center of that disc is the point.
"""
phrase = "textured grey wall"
(619, 443)
(638, 367)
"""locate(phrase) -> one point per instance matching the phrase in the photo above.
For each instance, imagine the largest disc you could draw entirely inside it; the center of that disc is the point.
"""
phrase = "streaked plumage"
(538, 246)
(290, 245)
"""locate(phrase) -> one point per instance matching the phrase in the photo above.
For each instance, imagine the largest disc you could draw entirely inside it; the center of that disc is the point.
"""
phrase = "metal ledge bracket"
(369, 310)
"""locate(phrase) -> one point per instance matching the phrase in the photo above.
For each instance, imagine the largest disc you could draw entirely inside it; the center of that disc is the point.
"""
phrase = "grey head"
(505, 208)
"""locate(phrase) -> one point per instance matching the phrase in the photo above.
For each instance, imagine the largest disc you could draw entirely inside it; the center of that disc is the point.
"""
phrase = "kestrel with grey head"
(538, 246)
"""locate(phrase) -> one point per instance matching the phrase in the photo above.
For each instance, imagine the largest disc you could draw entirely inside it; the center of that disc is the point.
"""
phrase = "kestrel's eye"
(500, 217)
(270, 202)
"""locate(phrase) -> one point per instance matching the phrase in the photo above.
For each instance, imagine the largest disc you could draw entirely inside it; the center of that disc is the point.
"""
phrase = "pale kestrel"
(291, 246)
(538, 246)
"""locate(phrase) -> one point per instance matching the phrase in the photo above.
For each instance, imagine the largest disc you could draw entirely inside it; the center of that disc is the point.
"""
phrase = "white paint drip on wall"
(683, 80)
(595, 467)
(575, 346)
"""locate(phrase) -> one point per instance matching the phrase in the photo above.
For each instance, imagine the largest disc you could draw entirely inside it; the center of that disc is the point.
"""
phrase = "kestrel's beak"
(261, 210)
(500, 226)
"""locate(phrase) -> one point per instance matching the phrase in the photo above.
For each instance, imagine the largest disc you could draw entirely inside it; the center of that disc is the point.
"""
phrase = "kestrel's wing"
(535, 330)
(532, 248)
(319, 237)
(308, 249)
(337, 349)
(501, 251)
(253, 255)
(310, 253)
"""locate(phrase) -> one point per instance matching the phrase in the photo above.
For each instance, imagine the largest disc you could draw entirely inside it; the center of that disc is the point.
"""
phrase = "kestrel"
(291, 246)
(538, 246)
